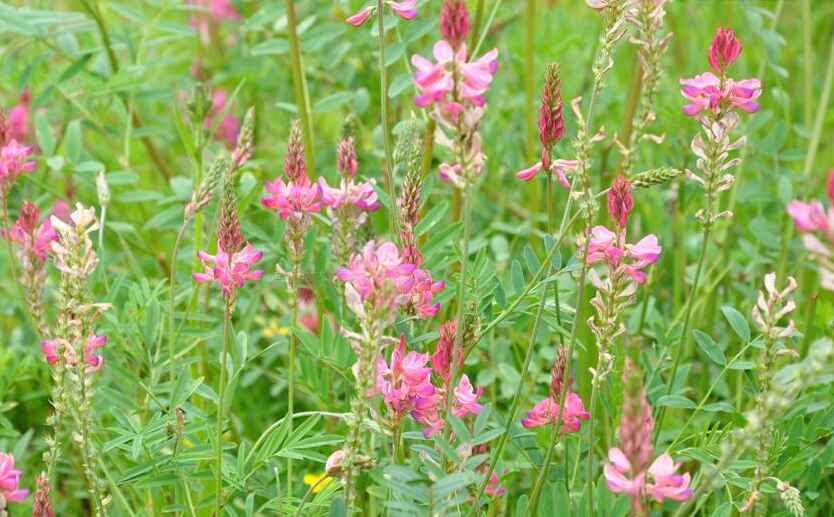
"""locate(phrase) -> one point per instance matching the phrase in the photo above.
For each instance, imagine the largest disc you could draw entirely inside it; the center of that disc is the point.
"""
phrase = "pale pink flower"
(293, 198)
(360, 195)
(19, 118)
(358, 19)
(230, 272)
(724, 50)
(597, 4)
(435, 81)
(619, 476)
(407, 9)
(706, 92)
(466, 398)
(547, 412)
(49, 348)
(10, 490)
(559, 167)
(333, 466)
(13, 162)
(644, 253)
(809, 217)
(743, 94)
(665, 483)
(604, 246)
(223, 10)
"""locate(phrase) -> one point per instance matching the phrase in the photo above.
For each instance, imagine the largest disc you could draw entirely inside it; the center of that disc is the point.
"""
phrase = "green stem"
(293, 298)
(221, 389)
(383, 105)
(299, 80)
(530, 78)
(457, 349)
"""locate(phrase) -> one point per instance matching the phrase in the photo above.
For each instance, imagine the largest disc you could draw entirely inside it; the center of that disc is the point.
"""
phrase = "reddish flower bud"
(294, 165)
(29, 217)
(557, 374)
(620, 201)
(454, 22)
(442, 358)
(346, 160)
(551, 120)
(724, 50)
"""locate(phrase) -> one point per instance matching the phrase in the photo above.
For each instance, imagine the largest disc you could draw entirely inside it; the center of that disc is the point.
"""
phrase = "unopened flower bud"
(454, 22)
(620, 201)
(102, 189)
(724, 50)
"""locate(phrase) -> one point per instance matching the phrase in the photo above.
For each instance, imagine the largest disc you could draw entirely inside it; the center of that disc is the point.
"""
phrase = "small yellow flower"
(273, 329)
(312, 479)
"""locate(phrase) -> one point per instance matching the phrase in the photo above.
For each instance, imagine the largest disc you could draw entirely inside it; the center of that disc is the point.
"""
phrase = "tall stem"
(221, 389)
(464, 259)
(299, 81)
(383, 107)
(293, 300)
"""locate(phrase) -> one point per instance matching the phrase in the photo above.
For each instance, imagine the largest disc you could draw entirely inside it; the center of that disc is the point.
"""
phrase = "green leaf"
(332, 102)
(737, 322)
(72, 141)
(675, 401)
(716, 407)
(44, 134)
(709, 347)
(272, 47)
(517, 276)
(337, 507)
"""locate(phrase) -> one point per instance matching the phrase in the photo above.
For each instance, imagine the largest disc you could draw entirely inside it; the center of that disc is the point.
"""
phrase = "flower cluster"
(10, 491)
(55, 349)
(297, 197)
(456, 87)
(33, 238)
(817, 226)
(547, 411)
(717, 95)
(19, 124)
(630, 470)
(772, 305)
(14, 161)
(407, 10)
(377, 280)
(230, 270)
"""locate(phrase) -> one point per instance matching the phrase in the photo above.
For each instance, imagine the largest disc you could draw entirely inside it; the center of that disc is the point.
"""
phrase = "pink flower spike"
(293, 198)
(620, 201)
(724, 50)
(19, 118)
(466, 399)
(13, 162)
(703, 93)
(546, 412)
(407, 9)
(10, 480)
(359, 19)
(529, 173)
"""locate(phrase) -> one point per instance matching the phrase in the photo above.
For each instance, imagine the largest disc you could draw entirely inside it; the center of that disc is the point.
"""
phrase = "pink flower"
(604, 246)
(229, 128)
(407, 9)
(597, 4)
(10, 480)
(724, 50)
(707, 92)
(435, 81)
(547, 412)
(13, 162)
(559, 167)
(35, 241)
(809, 217)
(644, 253)
(664, 482)
(49, 348)
(19, 118)
(224, 10)
(615, 475)
(360, 195)
(230, 272)
(358, 19)
(406, 387)
(494, 488)
(94, 361)
(333, 467)
(378, 278)
(466, 398)
(293, 198)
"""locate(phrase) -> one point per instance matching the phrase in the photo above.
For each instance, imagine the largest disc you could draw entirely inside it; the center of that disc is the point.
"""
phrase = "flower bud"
(551, 119)
(620, 201)
(724, 50)
(454, 22)
(294, 165)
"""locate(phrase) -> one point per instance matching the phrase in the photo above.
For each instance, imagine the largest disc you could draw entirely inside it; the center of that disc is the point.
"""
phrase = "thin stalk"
(467, 229)
(530, 79)
(551, 223)
(309, 493)
(476, 23)
(807, 61)
(383, 106)
(172, 279)
(299, 81)
(293, 298)
(221, 388)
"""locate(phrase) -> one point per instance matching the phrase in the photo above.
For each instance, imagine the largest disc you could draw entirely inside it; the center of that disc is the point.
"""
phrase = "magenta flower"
(407, 10)
(435, 81)
(547, 412)
(360, 195)
(13, 162)
(294, 198)
(34, 240)
(817, 225)
(620, 201)
(421, 290)
(724, 50)
(466, 398)
(665, 483)
(810, 217)
(406, 388)
(231, 272)
(10, 490)
(494, 488)
(49, 348)
(442, 359)
(559, 167)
